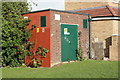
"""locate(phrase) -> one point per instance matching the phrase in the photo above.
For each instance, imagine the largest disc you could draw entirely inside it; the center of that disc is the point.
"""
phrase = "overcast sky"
(46, 4)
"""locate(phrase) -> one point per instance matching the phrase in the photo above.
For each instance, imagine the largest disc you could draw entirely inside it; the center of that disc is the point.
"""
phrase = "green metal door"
(69, 42)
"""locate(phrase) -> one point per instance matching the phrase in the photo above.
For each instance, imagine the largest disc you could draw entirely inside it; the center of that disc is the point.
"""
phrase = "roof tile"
(101, 11)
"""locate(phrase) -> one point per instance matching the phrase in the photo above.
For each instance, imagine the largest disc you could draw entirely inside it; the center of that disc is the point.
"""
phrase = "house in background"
(103, 25)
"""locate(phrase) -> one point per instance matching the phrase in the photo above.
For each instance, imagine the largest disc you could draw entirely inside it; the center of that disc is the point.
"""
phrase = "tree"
(15, 34)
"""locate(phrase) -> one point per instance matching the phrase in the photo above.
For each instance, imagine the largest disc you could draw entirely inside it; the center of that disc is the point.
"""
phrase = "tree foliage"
(15, 34)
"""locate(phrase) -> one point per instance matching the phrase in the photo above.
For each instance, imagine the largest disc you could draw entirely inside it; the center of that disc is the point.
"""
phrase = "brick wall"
(102, 32)
(113, 4)
(114, 48)
(106, 28)
(116, 26)
(82, 5)
(55, 30)
(115, 42)
(69, 5)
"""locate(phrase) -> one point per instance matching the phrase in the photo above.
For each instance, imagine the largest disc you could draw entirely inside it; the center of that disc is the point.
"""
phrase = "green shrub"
(79, 54)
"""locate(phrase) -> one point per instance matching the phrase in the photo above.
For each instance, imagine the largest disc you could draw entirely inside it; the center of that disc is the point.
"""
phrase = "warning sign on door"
(37, 30)
(66, 31)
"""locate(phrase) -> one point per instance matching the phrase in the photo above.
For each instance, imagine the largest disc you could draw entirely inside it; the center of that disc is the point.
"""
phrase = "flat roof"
(58, 11)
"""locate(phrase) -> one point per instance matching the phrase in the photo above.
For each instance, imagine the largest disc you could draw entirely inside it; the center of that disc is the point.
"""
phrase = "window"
(85, 23)
(43, 21)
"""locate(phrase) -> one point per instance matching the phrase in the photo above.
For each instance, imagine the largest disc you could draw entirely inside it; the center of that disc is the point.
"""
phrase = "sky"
(46, 4)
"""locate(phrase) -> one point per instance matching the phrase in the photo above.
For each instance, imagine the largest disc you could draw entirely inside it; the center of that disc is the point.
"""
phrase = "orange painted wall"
(40, 38)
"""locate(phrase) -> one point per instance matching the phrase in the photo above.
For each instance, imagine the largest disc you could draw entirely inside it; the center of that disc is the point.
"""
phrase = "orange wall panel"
(42, 37)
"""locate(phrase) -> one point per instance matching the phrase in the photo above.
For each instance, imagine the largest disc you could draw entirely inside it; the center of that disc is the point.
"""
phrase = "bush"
(79, 54)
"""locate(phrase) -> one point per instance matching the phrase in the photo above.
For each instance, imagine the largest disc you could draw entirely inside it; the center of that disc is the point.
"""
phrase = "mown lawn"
(83, 69)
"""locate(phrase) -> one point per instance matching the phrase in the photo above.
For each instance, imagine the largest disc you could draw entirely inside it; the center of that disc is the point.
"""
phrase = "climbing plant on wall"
(37, 56)
(79, 50)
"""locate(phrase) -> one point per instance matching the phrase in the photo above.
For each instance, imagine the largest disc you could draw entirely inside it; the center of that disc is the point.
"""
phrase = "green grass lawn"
(83, 69)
